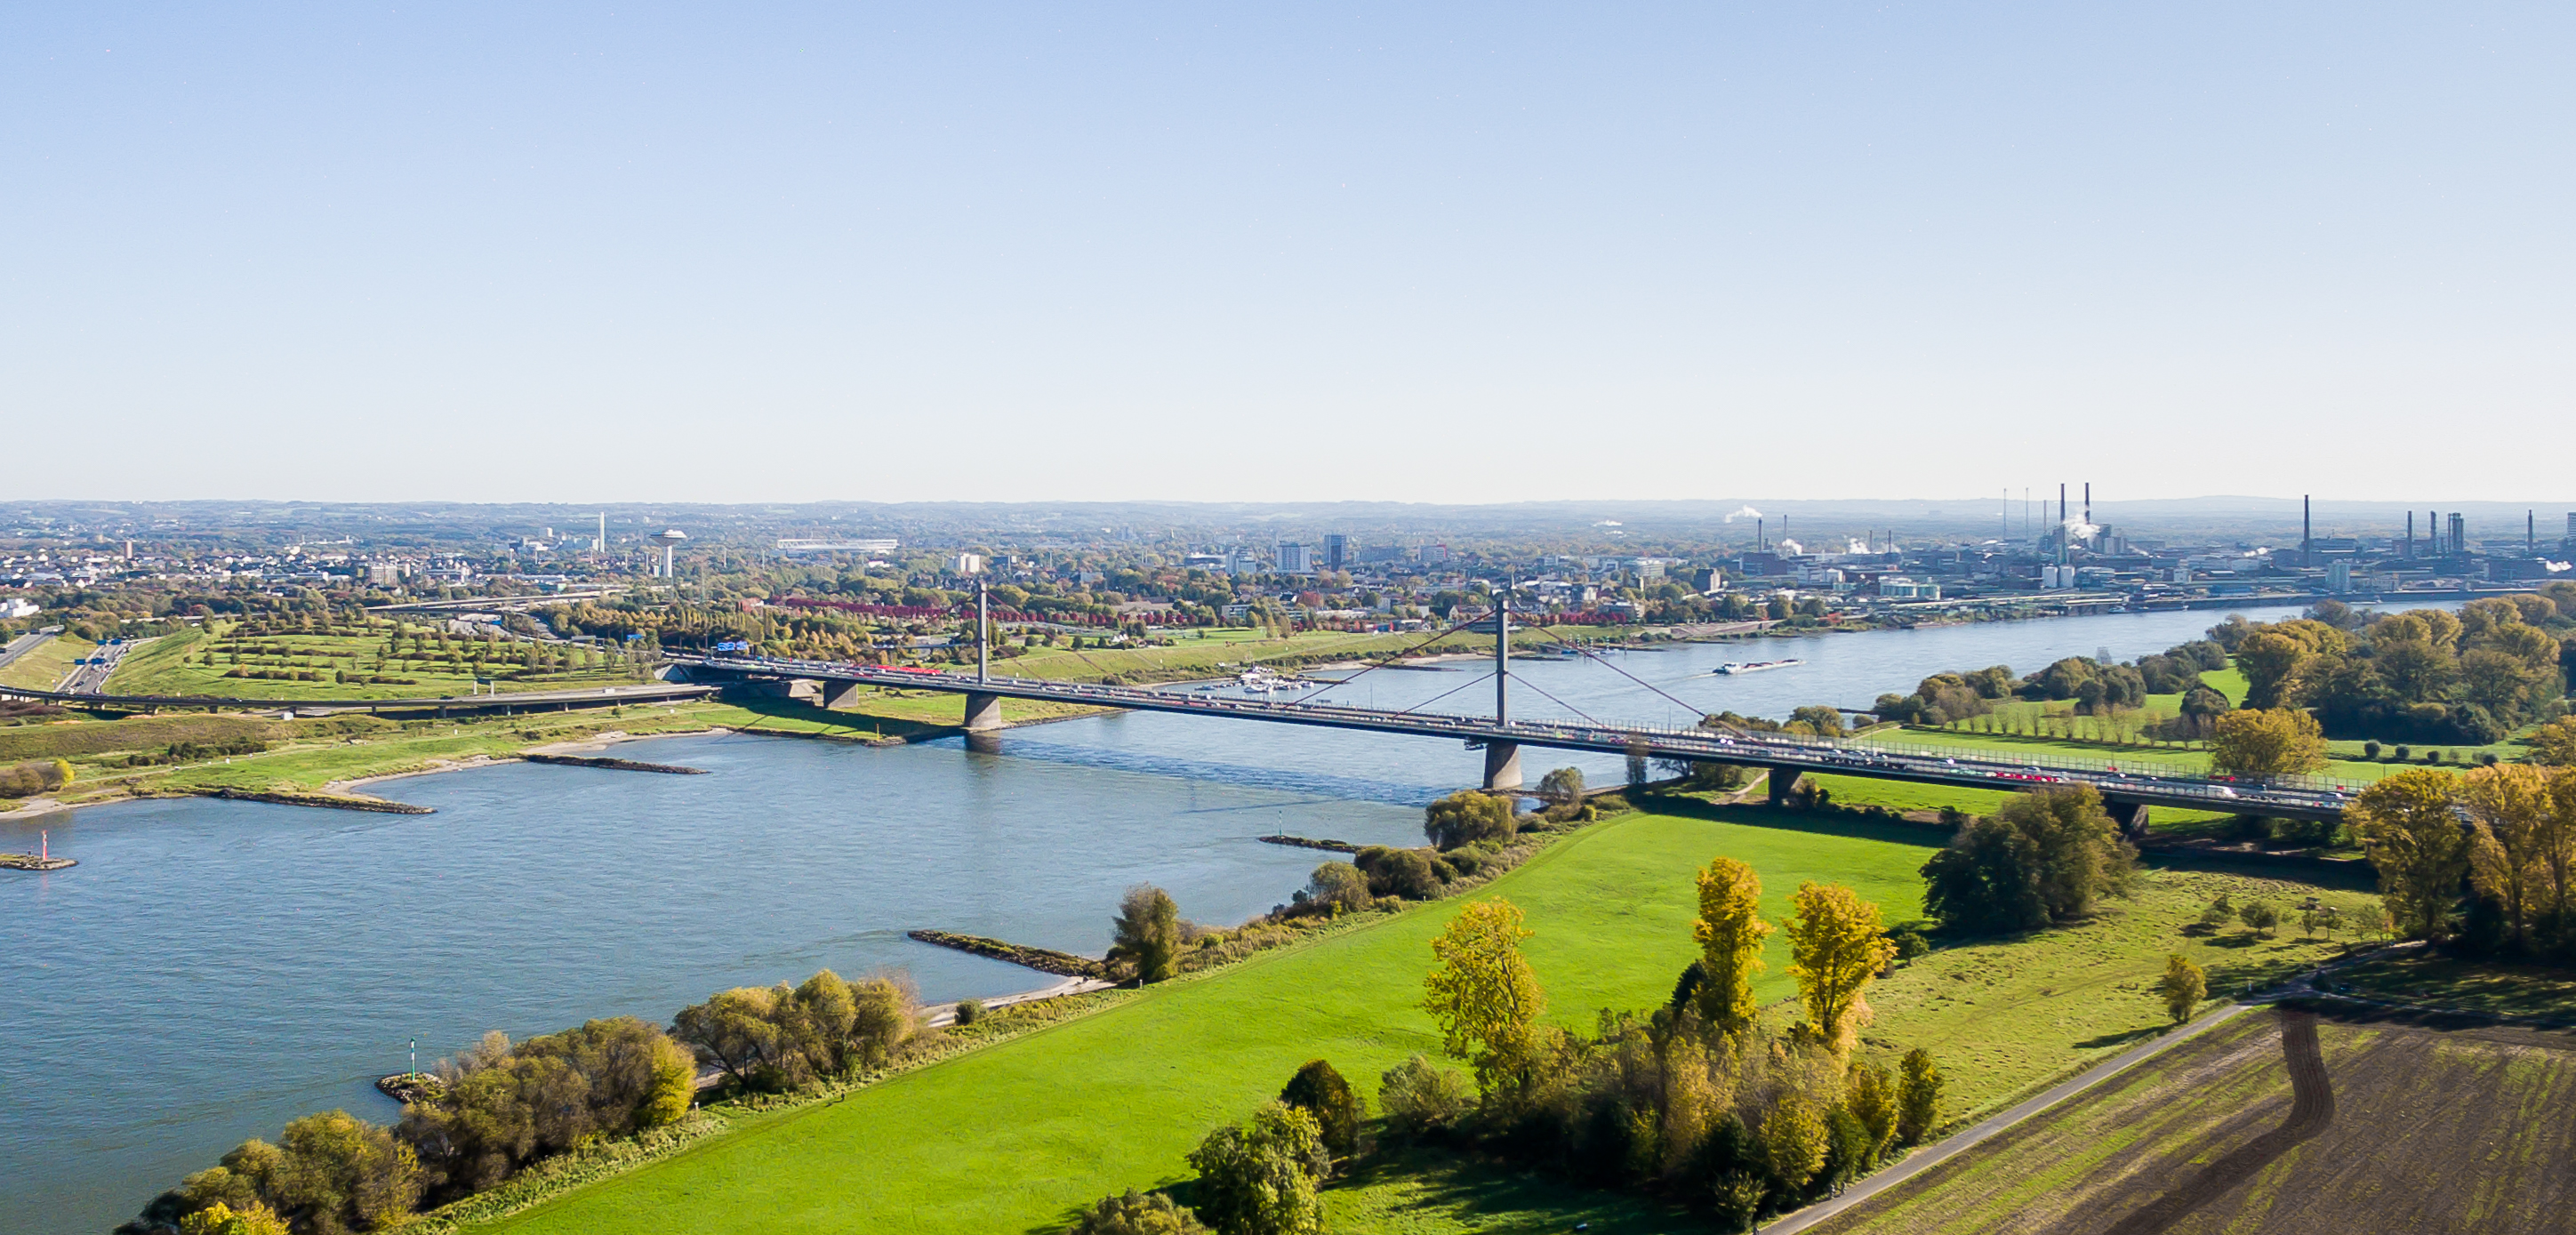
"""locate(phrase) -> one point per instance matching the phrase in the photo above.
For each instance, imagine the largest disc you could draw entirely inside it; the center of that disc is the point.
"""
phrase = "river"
(212, 969)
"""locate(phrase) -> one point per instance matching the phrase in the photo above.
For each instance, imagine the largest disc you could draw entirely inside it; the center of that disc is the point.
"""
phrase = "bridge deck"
(2128, 781)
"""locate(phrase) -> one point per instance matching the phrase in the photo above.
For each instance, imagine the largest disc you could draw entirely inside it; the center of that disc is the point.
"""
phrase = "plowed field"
(2280, 1121)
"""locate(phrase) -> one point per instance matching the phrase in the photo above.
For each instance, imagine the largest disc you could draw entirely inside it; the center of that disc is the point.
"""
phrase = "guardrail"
(2129, 779)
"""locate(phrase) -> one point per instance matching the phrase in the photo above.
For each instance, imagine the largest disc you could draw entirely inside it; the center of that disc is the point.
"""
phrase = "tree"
(1420, 1099)
(1146, 934)
(1836, 948)
(1339, 885)
(2554, 744)
(1484, 996)
(1794, 1142)
(1563, 786)
(1872, 1098)
(1261, 1178)
(1320, 1091)
(1730, 931)
(2081, 857)
(1918, 1097)
(1135, 1213)
(337, 1173)
(1826, 722)
(2510, 804)
(2183, 987)
(2266, 743)
(1467, 816)
(222, 1219)
(2259, 917)
(2409, 825)
(1398, 872)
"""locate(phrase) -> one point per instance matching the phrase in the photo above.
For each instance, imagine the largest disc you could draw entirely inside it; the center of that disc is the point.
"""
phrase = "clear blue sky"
(1484, 252)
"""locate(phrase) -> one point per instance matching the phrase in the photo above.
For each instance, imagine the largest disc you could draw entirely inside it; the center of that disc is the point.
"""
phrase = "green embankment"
(45, 664)
(1012, 1137)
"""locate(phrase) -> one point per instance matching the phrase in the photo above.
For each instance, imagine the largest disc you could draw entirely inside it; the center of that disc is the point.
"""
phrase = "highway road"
(2137, 781)
(24, 644)
(89, 675)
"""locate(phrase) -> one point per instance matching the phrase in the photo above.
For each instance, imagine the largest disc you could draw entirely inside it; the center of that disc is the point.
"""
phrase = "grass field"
(2427, 977)
(376, 659)
(2406, 1129)
(1011, 1137)
(45, 665)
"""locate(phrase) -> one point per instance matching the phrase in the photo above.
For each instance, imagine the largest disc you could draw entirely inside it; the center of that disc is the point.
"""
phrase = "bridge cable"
(1687, 705)
(1400, 654)
(1488, 676)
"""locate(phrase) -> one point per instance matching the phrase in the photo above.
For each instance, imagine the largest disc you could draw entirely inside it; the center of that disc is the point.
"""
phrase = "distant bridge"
(2129, 788)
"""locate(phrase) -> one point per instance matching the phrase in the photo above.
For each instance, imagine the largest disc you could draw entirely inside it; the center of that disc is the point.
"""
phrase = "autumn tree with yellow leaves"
(1837, 946)
(1730, 931)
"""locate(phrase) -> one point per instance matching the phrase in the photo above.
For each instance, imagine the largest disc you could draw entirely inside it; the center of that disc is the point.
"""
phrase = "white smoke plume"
(2077, 529)
(1859, 546)
(1792, 548)
(1745, 513)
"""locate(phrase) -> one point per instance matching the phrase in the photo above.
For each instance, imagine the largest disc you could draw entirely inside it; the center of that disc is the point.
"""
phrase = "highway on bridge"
(2129, 787)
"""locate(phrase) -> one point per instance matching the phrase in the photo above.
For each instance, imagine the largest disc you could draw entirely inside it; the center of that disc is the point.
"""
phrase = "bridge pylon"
(1502, 765)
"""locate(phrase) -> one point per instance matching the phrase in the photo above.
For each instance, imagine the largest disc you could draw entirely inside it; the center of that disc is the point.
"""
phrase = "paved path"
(1925, 1159)
(24, 644)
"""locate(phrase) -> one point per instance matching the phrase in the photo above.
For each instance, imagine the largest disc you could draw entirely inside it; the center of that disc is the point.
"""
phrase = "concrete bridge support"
(837, 696)
(2130, 817)
(983, 712)
(1782, 781)
(1502, 765)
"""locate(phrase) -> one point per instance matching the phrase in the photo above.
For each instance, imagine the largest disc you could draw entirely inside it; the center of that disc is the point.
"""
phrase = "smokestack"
(2061, 503)
(2410, 534)
(2530, 534)
(2307, 534)
(2088, 503)
(1757, 533)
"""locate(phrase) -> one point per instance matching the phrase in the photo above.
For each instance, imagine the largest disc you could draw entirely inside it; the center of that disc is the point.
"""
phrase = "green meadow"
(1014, 1136)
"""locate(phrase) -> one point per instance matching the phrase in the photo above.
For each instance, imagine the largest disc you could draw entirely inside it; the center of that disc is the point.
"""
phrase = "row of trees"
(2517, 854)
(24, 780)
(2422, 675)
(2096, 687)
(1696, 1099)
(778, 1038)
(495, 1109)
(492, 1110)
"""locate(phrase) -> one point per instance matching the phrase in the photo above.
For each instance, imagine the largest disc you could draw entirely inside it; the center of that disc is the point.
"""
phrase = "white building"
(1294, 560)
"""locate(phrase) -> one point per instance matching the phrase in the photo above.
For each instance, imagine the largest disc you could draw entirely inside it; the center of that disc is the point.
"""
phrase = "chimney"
(2307, 534)
(2410, 534)
(2088, 503)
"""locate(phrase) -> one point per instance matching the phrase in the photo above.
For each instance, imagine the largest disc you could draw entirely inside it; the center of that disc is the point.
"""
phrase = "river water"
(213, 969)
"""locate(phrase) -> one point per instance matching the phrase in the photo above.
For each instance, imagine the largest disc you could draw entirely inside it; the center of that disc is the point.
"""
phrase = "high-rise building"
(1294, 560)
(2459, 533)
(1337, 550)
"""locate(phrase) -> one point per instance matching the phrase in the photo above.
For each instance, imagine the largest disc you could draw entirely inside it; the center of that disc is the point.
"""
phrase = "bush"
(500, 1107)
(969, 1011)
(1421, 1099)
(1339, 887)
(1261, 1178)
(1398, 872)
(1910, 944)
(1135, 1213)
(1320, 1091)
(1466, 817)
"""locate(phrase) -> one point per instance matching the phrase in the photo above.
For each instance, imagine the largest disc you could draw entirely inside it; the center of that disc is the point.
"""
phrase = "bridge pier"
(1782, 781)
(2130, 817)
(1502, 765)
(838, 695)
(983, 712)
